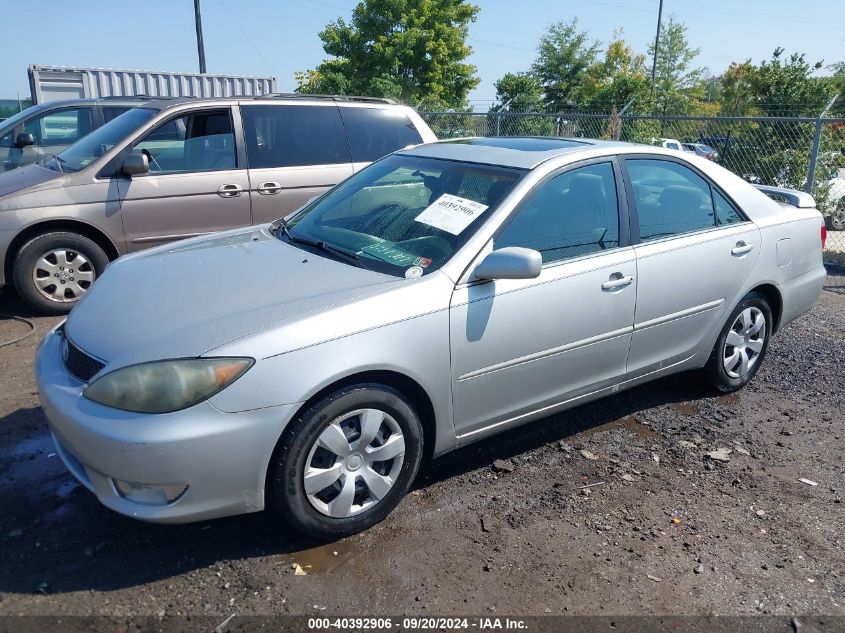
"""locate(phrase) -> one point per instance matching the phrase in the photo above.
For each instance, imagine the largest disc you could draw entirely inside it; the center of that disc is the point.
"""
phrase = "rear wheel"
(742, 344)
(346, 462)
(54, 270)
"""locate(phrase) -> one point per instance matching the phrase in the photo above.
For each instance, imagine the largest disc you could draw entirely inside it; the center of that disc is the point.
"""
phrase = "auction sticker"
(451, 213)
(414, 272)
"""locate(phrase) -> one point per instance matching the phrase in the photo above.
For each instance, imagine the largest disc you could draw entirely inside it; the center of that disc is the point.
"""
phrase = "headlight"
(166, 386)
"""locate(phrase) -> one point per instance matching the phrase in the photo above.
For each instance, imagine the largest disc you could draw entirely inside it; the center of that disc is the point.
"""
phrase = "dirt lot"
(505, 526)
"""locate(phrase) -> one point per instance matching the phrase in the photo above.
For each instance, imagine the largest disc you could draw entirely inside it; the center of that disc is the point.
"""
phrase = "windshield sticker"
(451, 213)
(394, 255)
(413, 272)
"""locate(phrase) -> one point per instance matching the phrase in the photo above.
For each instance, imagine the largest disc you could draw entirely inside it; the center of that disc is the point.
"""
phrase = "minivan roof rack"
(297, 95)
(140, 97)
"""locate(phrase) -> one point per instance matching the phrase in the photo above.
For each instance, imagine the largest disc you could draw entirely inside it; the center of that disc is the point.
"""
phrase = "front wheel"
(346, 462)
(742, 344)
(836, 220)
(54, 270)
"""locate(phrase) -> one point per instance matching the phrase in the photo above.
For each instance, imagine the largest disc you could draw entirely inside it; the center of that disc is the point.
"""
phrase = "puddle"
(684, 408)
(630, 424)
(325, 558)
(728, 400)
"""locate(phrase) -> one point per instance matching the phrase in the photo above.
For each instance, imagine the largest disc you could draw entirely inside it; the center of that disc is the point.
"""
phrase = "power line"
(246, 35)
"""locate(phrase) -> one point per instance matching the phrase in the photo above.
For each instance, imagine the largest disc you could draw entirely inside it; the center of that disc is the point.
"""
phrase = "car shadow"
(60, 539)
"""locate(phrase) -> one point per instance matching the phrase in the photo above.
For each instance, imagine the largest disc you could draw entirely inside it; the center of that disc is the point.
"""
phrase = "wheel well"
(50, 226)
(772, 295)
(408, 387)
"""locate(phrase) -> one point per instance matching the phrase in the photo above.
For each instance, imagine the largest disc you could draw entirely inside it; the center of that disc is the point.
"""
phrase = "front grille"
(80, 364)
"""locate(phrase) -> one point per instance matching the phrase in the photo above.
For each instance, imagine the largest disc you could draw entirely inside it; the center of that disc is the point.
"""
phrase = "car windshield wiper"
(340, 253)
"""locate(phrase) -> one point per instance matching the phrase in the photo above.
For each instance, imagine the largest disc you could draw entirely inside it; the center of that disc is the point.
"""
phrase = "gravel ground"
(505, 526)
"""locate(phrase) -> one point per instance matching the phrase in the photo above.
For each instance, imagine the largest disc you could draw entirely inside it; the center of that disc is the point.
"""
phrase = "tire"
(836, 220)
(72, 260)
(727, 375)
(350, 501)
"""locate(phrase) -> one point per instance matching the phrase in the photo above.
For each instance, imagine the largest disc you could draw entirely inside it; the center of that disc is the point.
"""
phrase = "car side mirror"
(136, 164)
(24, 139)
(511, 262)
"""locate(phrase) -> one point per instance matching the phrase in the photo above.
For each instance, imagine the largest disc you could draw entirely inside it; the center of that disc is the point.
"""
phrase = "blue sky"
(277, 37)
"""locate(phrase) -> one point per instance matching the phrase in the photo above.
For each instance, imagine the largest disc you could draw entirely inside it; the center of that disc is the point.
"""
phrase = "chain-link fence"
(788, 152)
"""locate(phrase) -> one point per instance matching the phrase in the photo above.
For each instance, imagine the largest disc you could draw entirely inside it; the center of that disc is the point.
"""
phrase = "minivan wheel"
(54, 270)
(742, 344)
(346, 462)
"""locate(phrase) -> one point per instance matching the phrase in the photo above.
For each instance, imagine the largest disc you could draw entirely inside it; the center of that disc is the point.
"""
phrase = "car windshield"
(403, 215)
(89, 148)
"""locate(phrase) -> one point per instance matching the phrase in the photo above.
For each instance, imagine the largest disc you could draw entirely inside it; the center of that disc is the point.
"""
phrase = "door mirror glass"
(512, 262)
(24, 139)
(136, 164)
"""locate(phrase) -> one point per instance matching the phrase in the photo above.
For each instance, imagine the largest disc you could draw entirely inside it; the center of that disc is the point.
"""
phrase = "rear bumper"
(222, 458)
(800, 294)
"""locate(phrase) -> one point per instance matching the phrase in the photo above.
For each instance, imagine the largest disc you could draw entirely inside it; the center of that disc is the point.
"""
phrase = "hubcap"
(63, 275)
(837, 218)
(354, 463)
(744, 343)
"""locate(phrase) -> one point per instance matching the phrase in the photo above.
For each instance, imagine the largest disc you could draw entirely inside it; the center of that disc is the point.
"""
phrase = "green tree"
(518, 93)
(564, 56)
(786, 86)
(410, 50)
(738, 97)
(675, 76)
(620, 76)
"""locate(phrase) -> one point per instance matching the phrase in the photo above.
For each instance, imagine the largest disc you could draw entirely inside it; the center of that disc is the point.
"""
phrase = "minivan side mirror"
(24, 139)
(511, 262)
(136, 164)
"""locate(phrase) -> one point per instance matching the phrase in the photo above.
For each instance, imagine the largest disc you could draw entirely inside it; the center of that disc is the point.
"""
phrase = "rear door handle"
(617, 281)
(269, 188)
(741, 249)
(229, 191)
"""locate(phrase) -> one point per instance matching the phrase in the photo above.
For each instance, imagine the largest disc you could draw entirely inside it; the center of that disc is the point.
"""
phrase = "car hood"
(186, 299)
(25, 177)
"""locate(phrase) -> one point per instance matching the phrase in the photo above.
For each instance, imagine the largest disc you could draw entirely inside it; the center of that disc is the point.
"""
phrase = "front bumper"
(221, 457)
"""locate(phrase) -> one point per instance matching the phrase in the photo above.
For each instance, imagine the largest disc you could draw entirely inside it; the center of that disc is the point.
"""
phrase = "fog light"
(149, 495)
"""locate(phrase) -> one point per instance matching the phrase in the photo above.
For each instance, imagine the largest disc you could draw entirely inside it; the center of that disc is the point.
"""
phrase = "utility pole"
(200, 45)
(656, 42)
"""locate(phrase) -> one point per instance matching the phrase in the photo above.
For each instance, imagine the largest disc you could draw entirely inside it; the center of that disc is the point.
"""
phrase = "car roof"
(522, 152)
(280, 98)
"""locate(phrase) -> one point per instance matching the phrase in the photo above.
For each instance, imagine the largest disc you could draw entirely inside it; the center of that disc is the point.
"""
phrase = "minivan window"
(294, 135)
(199, 141)
(112, 112)
(403, 215)
(60, 127)
(88, 149)
(376, 132)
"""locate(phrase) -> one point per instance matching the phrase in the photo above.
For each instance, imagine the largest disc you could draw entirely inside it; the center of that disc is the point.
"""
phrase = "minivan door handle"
(616, 281)
(269, 188)
(741, 249)
(229, 191)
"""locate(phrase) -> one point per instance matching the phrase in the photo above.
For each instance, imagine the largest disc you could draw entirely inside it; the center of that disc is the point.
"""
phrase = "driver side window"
(200, 141)
(575, 213)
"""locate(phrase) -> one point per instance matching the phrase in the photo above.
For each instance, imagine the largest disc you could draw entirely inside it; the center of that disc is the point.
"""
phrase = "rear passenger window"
(294, 135)
(200, 141)
(671, 199)
(725, 211)
(575, 213)
(110, 112)
(376, 132)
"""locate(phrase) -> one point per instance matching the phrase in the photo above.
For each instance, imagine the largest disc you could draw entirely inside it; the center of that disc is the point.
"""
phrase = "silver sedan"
(441, 295)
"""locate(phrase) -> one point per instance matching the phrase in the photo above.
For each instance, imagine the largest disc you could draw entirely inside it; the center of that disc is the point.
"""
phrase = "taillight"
(824, 235)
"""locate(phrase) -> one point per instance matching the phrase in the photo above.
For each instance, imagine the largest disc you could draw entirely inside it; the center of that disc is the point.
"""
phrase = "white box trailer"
(50, 83)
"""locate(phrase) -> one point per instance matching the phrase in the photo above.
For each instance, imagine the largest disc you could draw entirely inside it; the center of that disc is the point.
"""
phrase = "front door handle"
(741, 249)
(229, 191)
(269, 188)
(616, 281)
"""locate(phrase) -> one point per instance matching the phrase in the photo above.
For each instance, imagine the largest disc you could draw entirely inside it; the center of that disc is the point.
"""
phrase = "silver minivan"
(170, 170)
